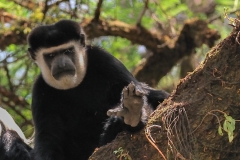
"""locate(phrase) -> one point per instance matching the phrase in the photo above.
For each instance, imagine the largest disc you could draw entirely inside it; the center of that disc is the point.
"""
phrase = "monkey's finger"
(125, 92)
(113, 112)
(131, 88)
(139, 92)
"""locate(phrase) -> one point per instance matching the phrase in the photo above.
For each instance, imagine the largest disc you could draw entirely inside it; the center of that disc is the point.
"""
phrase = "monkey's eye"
(68, 51)
(51, 55)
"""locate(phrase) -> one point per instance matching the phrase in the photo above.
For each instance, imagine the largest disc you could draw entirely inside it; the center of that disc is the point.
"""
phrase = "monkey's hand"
(132, 105)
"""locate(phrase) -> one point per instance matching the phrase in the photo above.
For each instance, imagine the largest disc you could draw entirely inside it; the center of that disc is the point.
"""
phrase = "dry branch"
(98, 11)
(142, 13)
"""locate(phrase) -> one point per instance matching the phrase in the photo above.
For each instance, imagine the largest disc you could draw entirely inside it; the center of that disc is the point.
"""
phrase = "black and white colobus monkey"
(77, 86)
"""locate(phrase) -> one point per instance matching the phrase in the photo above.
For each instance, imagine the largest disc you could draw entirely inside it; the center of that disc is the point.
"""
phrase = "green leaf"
(230, 123)
(225, 126)
(230, 136)
(229, 126)
(220, 131)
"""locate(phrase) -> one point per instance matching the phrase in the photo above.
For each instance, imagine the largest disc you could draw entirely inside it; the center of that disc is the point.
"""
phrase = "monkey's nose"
(62, 65)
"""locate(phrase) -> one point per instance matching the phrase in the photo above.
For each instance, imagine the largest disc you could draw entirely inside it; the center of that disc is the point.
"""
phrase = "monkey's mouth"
(58, 74)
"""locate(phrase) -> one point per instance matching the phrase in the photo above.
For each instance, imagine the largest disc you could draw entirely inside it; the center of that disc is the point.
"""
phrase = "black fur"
(12, 146)
(53, 35)
(68, 123)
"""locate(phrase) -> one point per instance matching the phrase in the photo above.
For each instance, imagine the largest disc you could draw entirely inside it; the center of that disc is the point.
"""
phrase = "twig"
(154, 16)
(142, 13)
(210, 113)
(23, 76)
(98, 11)
(219, 123)
(47, 7)
(219, 16)
(148, 134)
(8, 77)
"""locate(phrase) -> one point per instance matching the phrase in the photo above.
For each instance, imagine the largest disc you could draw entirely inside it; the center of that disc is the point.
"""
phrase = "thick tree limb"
(185, 126)
(136, 34)
(194, 34)
(166, 51)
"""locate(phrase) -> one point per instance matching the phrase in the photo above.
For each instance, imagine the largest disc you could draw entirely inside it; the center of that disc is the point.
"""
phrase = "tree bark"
(185, 126)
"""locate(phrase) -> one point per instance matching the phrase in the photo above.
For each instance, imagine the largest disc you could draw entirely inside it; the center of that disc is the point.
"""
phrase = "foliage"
(228, 126)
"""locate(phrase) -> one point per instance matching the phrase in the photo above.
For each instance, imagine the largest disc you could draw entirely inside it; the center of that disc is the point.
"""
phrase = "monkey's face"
(61, 62)
(63, 66)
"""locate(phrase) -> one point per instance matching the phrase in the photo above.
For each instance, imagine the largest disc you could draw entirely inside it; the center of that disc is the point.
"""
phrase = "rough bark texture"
(185, 126)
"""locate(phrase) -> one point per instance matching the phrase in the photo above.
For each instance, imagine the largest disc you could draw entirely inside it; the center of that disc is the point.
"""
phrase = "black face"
(61, 62)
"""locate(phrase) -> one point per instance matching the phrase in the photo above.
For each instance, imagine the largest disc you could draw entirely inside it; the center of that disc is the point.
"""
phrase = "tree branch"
(8, 76)
(219, 16)
(136, 34)
(47, 7)
(142, 13)
(194, 33)
(98, 11)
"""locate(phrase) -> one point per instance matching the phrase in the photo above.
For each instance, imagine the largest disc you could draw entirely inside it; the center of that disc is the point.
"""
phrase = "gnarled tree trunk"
(185, 126)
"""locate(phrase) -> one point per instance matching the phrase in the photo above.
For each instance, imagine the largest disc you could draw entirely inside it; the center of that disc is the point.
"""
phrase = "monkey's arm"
(49, 140)
(138, 102)
(49, 135)
(133, 105)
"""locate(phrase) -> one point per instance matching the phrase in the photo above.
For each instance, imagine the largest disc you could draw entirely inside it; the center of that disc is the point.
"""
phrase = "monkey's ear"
(82, 39)
(31, 53)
